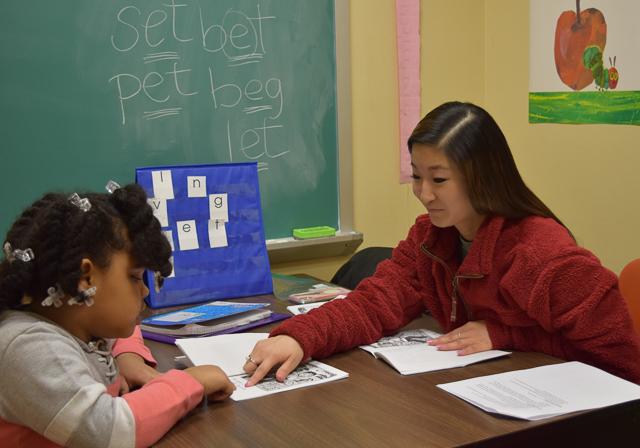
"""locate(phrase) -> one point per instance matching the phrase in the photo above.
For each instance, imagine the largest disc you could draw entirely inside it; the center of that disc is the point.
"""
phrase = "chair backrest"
(630, 288)
(361, 265)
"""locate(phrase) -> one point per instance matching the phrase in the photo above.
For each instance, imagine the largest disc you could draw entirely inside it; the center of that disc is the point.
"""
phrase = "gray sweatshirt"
(56, 384)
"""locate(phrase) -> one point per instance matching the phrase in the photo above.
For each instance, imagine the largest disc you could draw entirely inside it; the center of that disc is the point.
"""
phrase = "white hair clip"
(82, 203)
(11, 254)
(112, 186)
(54, 298)
(84, 297)
(7, 250)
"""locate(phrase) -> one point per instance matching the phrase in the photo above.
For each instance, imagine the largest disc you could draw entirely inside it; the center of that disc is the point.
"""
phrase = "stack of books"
(208, 319)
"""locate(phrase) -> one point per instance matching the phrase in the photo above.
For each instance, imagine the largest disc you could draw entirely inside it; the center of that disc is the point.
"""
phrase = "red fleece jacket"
(527, 279)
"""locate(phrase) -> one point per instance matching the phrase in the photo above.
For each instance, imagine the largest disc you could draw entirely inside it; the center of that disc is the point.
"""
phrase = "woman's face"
(439, 185)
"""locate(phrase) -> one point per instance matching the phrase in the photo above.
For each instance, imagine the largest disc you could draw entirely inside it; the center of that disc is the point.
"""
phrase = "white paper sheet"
(304, 308)
(544, 392)
(227, 351)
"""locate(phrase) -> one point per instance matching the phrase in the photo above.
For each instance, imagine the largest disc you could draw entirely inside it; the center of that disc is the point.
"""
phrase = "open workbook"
(409, 353)
(229, 352)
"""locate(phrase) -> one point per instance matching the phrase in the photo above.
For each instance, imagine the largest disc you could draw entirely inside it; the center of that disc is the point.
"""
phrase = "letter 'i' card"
(212, 217)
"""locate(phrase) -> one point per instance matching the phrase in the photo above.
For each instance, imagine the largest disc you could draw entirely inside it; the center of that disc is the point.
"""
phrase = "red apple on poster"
(575, 31)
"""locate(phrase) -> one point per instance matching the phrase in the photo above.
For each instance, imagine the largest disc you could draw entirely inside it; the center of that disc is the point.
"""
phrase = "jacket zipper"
(454, 282)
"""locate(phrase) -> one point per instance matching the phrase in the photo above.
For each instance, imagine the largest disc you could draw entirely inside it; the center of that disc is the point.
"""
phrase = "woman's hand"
(279, 350)
(217, 385)
(472, 337)
(134, 371)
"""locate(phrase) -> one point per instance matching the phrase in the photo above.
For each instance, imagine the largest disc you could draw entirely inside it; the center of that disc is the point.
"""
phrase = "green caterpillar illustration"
(604, 78)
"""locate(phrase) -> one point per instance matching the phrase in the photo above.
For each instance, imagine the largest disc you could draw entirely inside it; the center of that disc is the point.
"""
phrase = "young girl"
(493, 265)
(71, 280)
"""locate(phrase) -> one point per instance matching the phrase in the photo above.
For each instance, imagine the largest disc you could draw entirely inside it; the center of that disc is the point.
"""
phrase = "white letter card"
(159, 207)
(187, 235)
(218, 207)
(197, 186)
(162, 184)
(169, 235)
(217, 233)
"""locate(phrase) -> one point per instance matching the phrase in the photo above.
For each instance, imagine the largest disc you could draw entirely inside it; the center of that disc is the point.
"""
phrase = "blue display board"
(212, 217)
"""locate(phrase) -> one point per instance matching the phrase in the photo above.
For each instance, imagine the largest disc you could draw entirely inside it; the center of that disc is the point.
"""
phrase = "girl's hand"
(279, 350)
(134, 371)
(215, 382)
(472, 337)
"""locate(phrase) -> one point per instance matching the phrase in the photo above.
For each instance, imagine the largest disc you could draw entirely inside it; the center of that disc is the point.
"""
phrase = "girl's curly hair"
(61, 235)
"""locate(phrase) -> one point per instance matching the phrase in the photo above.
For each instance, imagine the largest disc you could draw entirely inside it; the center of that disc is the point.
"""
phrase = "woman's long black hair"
(473, 141)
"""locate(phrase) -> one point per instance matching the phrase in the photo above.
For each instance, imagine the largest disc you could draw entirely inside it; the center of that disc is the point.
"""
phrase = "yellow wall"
(477, 50)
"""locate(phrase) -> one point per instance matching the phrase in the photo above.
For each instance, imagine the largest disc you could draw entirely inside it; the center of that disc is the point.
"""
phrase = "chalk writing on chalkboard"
(134, 83)
(165, 80)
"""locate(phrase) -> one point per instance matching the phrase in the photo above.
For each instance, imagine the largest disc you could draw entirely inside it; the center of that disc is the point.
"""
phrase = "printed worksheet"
(546, 391)
(230, 351)
(310, 374)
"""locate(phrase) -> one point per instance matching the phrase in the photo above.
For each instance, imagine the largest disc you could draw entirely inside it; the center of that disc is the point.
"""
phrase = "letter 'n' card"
(212, 217)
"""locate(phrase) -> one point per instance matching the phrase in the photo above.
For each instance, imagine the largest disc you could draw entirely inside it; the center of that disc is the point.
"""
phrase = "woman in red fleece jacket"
(490, 261)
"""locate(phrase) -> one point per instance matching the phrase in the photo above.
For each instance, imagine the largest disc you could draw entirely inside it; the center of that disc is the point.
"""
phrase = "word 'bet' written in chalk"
(165, 83)
(187, 234)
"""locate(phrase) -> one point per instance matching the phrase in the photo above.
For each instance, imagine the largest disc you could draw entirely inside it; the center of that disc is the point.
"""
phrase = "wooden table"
(378, 407)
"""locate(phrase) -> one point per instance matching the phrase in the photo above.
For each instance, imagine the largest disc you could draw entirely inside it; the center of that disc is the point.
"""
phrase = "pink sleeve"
(133, 344)
(160, 403)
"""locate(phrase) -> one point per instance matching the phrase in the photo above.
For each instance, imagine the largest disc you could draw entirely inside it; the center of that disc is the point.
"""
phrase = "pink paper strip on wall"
(408, 41)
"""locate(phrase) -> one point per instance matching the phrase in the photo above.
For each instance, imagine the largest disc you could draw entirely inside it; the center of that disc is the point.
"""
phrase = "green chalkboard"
(92, 89)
